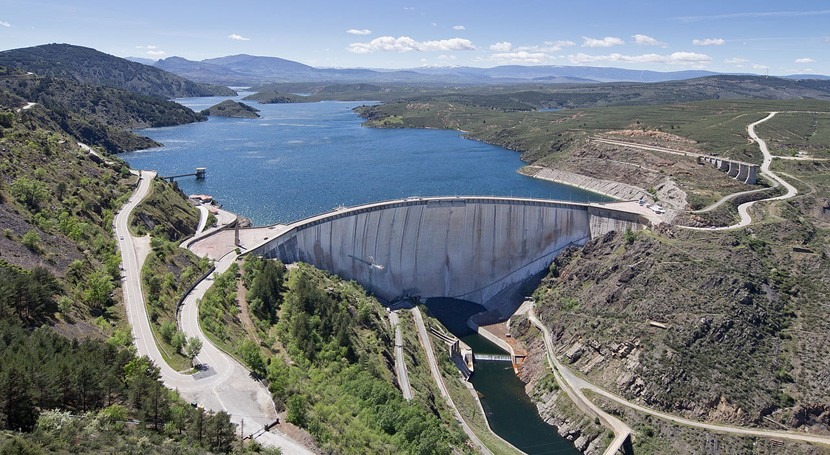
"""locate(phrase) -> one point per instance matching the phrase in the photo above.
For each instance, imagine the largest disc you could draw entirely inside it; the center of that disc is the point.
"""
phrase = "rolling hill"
(92, 67)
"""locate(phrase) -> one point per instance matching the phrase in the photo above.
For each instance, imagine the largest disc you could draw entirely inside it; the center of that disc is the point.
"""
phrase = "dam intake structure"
(468, 248)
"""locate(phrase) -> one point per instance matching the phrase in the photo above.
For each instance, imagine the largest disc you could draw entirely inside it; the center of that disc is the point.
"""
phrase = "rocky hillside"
(700, 325)
(89, 66)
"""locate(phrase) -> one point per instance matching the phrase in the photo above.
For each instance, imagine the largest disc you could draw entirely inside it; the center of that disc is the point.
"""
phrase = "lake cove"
(299, 160)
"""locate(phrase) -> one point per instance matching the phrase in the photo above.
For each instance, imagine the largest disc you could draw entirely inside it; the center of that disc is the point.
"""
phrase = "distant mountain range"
(254, 70)
(250, 70)
(89, 66)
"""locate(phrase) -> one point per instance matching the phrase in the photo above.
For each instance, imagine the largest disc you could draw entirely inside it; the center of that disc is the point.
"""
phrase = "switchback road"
(223, 384)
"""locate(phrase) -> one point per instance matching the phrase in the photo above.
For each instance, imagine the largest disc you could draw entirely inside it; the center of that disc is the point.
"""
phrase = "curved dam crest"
(468, 248)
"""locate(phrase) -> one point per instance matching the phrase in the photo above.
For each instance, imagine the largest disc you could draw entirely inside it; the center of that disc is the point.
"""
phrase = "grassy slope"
(165, 212)
(71, 220)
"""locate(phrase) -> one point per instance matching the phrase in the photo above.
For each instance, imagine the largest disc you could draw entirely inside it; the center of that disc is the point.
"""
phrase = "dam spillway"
(467, 248)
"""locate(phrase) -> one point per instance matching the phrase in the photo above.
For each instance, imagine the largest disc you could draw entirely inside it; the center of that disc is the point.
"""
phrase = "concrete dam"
(468, 248)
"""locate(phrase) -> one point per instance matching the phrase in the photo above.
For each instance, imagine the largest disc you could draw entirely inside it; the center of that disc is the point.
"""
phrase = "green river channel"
(509, 410)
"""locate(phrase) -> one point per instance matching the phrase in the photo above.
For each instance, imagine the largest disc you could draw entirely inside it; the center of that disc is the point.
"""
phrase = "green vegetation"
(540, 95)
(273, 97)
(219, 308)
(96, 115)
(59, 272)
(560, 139)
(58, 207)
(734, 303)
(88, 66)
(326, 354)
(165, 213)
(230, 108)
(89, 396)
(168, 272)
(791, 133)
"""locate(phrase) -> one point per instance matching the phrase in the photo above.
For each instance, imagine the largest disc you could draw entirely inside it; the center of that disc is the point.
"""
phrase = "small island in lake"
(230, 108)
(272, 97)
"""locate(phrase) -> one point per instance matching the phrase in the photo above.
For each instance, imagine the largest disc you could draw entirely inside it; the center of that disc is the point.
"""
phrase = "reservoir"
(300, 160)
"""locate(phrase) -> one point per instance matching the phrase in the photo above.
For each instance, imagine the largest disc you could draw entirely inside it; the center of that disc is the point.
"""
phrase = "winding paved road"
(224, 384)
(400, 364)
(436, 375)
(573, 386)
(743, 209)
(577, 383)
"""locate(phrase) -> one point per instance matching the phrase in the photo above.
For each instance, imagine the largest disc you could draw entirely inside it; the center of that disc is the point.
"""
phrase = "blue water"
(299, 160)
(509, 410)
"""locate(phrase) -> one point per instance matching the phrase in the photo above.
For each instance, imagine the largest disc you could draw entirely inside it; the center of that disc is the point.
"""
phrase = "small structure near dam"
(467, 248)
(200, 174)
(745, 172)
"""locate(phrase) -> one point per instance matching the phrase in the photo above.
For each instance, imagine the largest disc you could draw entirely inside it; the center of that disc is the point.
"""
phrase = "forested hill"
(94, 115)
(90, 66)
(59, 278)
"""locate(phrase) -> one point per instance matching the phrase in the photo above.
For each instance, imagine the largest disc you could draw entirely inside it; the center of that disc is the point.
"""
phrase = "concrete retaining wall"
(745, 172)
(466, 248)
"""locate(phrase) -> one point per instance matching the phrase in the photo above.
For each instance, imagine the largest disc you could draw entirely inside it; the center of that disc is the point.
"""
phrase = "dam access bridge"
(468, 248)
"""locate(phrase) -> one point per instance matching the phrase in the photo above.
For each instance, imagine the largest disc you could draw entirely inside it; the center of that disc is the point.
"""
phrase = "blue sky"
(725, 35)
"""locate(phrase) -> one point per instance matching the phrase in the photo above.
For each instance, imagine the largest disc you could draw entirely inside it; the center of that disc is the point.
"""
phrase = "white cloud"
(459, 27)
(804, 60)
(149, 46)
(362, 31)
(608, 41)
(645, 40)
(679, 58)
(5, 24)
(521, 57)
(407, 44)
(760, 67)
(156, 53)
(689, 57)
(709, 42)
(501, 46)
(736, 61)
(236, 37)
(547, 46)
(447, 57)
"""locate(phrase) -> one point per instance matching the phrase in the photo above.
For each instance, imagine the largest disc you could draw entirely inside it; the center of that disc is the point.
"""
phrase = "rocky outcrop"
(553, 405)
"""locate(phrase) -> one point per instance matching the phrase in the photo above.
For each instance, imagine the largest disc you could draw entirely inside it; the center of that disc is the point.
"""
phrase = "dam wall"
(465, 248)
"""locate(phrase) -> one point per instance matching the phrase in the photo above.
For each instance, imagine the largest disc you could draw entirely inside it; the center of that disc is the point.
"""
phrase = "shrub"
(31, 240)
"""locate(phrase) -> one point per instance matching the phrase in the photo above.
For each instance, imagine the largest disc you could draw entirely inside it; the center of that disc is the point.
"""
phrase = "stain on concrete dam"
(461, 247)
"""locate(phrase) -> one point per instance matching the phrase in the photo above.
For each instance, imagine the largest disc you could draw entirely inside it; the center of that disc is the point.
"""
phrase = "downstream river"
(299, 160)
